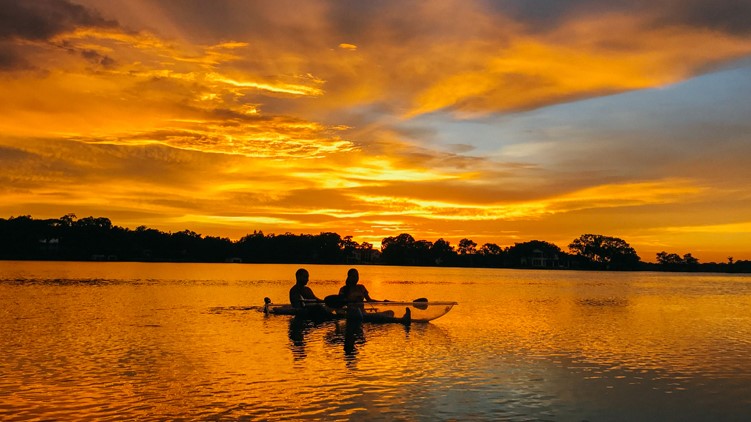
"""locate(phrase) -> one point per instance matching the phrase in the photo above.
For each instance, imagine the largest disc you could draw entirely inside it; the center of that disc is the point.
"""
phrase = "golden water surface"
(186, 341)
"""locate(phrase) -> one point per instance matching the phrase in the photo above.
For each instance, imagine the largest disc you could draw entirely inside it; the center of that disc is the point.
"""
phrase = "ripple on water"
(522, 346)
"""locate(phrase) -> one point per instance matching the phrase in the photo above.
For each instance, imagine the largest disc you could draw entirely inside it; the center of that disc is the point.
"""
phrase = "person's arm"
(310, 296)
(367, 295)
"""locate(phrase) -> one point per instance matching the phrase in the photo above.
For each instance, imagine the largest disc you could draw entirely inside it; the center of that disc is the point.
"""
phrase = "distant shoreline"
(96, 239)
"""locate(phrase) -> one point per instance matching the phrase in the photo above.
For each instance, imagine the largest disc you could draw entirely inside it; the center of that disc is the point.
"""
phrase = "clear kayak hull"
(378, 312)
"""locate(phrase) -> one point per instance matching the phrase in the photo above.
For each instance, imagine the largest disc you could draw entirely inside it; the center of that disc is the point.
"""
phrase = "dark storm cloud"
(732, 16)
(545, 14)
(10, 59)
(222, 19)
(96, 58)
(40, 20)
(397, 20)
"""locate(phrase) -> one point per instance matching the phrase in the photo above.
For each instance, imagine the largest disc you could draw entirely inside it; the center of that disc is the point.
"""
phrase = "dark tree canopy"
(442, 252)
(96, 238)
(608, 252)
(665, 258)
(398, 250)
(467, 247)
(490, 249)
(675, 261)
(527, 247)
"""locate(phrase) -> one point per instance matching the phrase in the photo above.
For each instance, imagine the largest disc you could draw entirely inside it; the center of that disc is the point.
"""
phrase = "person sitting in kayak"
(354, 295)
(352, 292)
(300, 293)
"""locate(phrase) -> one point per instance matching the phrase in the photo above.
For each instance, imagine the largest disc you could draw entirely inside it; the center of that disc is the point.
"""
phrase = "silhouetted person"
(354, 295)
(352, 292)
(300, 293)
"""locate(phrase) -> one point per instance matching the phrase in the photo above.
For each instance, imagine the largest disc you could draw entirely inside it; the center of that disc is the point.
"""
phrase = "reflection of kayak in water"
(380, 312)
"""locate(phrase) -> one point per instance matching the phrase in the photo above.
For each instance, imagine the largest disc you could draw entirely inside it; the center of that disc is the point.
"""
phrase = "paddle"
(421, 303)
(336, 302)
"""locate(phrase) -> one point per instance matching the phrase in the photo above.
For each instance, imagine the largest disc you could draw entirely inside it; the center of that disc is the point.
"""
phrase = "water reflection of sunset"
(496, 122)
(169, 341)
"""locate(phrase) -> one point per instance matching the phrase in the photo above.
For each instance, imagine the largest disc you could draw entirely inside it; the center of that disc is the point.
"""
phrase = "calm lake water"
(177, 341)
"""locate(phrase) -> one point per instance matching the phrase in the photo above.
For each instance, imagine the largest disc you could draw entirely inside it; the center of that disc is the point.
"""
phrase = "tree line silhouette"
(96, 238)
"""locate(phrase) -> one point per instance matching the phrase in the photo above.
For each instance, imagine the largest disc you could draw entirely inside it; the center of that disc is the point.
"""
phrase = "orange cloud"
(281, 126)
(582, 59)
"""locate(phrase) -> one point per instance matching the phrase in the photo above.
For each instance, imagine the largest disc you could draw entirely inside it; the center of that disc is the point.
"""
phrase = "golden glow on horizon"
(233, 219)
(617, 195)
(734, 228)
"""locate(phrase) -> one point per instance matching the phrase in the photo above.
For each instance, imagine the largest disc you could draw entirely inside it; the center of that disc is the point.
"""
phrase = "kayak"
(378, 312)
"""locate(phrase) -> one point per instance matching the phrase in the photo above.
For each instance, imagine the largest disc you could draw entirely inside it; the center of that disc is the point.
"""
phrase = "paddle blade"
(421, 303)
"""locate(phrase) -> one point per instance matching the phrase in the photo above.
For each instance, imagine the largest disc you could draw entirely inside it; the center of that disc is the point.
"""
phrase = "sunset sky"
(499, 121)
